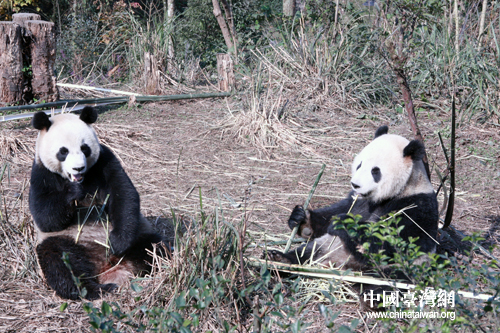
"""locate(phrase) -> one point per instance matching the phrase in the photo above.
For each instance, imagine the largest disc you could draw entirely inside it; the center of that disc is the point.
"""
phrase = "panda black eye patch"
(86, 150)
(377, 175)
(62, 153)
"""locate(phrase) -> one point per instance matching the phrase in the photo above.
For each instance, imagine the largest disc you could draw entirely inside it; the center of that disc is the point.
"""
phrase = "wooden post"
(288, 7)
(43, 56)
(151, 75)
(11, 62)
(225, 71)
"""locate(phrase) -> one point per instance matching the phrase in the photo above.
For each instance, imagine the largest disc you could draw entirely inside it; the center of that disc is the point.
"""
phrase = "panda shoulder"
(43, 176)
(424, 202)
(107, 159)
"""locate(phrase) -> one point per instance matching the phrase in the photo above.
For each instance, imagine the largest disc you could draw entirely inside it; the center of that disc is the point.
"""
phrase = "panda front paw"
(274, 255)
(74, 192)
(297, 217)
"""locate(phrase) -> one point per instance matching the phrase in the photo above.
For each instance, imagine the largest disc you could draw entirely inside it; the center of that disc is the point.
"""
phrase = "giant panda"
(388, 175)
(86, 208)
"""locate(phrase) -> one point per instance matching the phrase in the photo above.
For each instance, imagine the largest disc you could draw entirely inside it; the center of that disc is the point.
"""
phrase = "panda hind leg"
(139, 253)
(60, 278)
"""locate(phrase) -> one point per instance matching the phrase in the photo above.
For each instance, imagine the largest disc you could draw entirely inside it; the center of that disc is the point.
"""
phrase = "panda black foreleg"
(315, 223)
(297, 256)
(60, 278)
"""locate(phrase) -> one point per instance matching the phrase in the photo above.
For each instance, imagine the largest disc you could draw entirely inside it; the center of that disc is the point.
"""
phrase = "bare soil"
(172, 151)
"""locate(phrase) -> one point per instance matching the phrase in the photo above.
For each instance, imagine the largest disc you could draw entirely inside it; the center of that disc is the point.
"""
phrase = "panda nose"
(354, 186)
(79, 169)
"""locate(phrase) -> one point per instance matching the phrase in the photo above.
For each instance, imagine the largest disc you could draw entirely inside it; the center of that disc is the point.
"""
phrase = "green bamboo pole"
(123, 99)
(311, 193)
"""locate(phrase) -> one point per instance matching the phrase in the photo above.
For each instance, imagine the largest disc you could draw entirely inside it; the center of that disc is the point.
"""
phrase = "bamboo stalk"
(77, 86)
(337, 275)
(451, 167)
(99, 102)
(306, 203)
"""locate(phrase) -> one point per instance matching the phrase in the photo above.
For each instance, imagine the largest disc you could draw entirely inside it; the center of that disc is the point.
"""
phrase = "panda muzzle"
(76, 177)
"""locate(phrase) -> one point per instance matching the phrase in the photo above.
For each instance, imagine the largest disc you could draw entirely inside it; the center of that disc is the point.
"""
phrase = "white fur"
(386, 153)
(67, 130)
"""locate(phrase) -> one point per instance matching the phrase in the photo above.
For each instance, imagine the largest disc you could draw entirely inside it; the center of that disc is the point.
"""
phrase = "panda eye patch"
(85, 150)
(62, 153)
(376, 174)
(359, 166)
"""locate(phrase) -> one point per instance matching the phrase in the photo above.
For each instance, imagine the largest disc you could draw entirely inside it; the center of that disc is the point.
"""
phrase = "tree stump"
(21, 18)
(151, 74)
(43, 55)
(11, 61)
(225, 71)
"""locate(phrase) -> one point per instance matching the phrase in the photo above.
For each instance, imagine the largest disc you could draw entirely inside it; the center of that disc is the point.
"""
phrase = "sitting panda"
(84, 204)
(388, 175)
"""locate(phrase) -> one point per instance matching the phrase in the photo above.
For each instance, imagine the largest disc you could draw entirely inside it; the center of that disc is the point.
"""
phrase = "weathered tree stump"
(43, 56)
(20, 18)
(11, 62)
(151, 75)
(225, 70)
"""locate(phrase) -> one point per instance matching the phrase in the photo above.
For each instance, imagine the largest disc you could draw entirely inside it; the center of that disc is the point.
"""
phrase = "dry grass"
(172, 150)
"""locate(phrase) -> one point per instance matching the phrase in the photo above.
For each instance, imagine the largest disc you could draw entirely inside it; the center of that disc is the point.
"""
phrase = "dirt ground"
(171, 150)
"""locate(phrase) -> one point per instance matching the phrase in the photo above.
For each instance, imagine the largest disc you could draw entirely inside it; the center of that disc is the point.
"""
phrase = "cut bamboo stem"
(306, 203)
(77, 86)
(338, 275)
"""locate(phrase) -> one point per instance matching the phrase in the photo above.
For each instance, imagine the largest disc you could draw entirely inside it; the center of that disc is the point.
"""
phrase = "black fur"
(415, 149)
(381, 131)
(60, 278)
(425, 214)
(41, 121)
(88, 115)
(52, 199)
(297, 217)
(53, 203)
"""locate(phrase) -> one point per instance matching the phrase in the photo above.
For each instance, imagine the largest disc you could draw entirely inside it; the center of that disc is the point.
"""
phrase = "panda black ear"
(415, 149)
(88, 115)
(41, 121)
(381, 131)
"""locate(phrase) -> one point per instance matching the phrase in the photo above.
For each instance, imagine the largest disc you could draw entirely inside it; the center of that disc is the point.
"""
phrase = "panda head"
(382, 170)
(67, 144)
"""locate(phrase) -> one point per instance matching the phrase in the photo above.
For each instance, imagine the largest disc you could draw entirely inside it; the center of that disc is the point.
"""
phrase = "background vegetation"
(351, 51)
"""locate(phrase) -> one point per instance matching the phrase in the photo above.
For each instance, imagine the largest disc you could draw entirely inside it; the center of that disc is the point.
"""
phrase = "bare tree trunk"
(171, 55)
(11, 62)
(226, 73)
(288, 7)
(151, 75)
(398, 62)
(43, 56)
(481, 23)
(457, 28)
(230, 22)
(223, 26)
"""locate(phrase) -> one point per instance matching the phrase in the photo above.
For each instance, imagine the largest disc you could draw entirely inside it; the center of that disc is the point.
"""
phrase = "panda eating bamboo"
(388, 176)
(86, 210)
